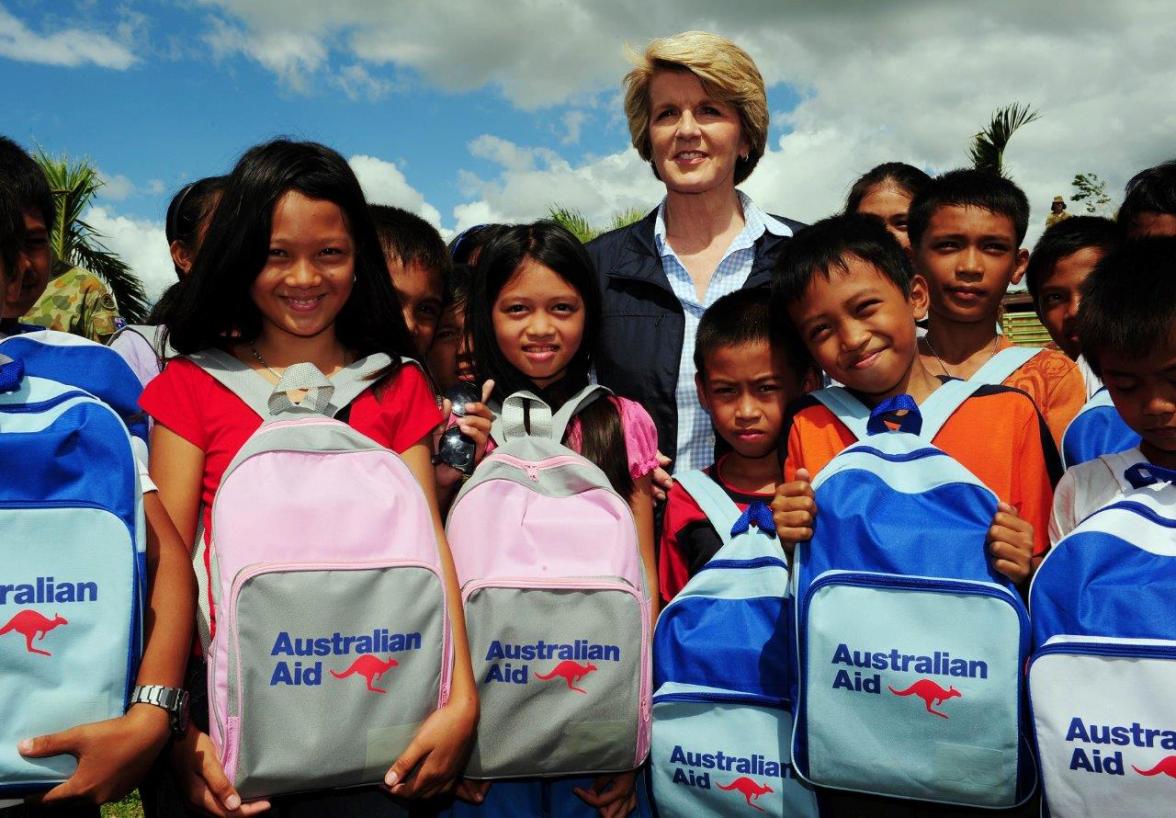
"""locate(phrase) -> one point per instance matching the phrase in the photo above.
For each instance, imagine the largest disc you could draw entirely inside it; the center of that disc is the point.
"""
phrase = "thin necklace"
(943, 366)
(270, 369)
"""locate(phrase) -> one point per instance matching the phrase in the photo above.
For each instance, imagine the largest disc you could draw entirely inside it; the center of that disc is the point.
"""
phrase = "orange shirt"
(1054, 382)
(997, 434)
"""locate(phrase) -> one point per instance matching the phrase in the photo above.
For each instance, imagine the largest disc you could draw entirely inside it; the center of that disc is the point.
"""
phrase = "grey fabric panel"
(328, 731)
(530, 726)
(563, 481)
(327, 437)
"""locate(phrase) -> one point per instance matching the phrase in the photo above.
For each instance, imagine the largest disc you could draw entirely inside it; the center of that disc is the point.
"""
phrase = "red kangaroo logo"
(930, 693)
(1167, 766)
(571, 672)
(29, 624)
(369, 667)
(748, 789)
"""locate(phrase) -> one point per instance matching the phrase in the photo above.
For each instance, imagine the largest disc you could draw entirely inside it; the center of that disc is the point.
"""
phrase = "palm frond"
(573, 221)
(76, 243)
(988, 146)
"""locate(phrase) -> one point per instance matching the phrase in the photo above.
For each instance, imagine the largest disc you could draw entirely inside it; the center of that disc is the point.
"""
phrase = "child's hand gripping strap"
(728, 520)
(1003, 364)
(325, 396)
(524, 414)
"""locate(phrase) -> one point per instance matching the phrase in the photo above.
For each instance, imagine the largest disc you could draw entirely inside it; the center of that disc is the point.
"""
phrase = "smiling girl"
(291, 271)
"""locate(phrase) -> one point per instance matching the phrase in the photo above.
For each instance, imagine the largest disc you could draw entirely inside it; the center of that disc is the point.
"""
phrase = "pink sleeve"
(640, 436)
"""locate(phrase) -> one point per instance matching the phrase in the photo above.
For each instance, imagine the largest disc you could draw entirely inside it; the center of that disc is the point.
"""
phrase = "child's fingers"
(394, 779)
(54, 744)
(218, 784)
(803, 474)
(619, 809)
(487, 390)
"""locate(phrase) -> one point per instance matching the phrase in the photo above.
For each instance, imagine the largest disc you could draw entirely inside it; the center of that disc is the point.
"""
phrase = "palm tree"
(988, 146)
(76, 243)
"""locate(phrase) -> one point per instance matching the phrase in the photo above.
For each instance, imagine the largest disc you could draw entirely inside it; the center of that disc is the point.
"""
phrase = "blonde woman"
(698, 114)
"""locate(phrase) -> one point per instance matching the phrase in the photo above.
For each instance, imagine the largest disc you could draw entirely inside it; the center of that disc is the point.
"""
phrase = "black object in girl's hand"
(455, 449)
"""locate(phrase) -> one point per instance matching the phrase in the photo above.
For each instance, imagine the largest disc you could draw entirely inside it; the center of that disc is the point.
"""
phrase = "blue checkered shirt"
(696, 439)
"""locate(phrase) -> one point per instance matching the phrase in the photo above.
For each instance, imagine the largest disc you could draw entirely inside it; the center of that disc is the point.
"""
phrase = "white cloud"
(68, 47)
(907, 81)
(141, 243)
(573, 121)
(293, 56)
(115, 187)
(533, 179)
(384, 183)
(357, 83)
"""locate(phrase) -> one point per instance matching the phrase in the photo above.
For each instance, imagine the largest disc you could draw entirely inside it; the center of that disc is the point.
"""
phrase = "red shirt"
(202, 410)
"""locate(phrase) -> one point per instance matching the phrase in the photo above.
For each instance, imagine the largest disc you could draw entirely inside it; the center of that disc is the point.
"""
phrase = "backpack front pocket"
(717, 752)
(323, 672)
(1104, 715)
(911, 687)
(562, 671)
(68, 616)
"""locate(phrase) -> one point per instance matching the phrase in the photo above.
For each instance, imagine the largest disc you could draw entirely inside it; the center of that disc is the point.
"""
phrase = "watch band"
(172, 699)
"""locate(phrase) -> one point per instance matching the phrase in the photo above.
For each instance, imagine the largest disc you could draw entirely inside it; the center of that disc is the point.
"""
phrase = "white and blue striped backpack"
(72, 568)
(910, 646)
(84, 364)
(722, 718)
(1102, 681)
(1096, 430)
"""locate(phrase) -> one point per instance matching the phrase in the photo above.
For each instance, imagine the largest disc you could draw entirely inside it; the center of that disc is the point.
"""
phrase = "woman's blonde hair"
(726, 72)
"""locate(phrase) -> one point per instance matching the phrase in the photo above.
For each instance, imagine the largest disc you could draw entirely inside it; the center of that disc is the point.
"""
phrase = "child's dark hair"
(969, 188)
(1129, 301)
(26, 181)
(458, 281)
(546, 243)
(741, 317)
(215, 307)
(410, 238)
(11, 234)
(467, 245)
(1149, 191)
(189, 208)
(899, 174)
(1064, 239)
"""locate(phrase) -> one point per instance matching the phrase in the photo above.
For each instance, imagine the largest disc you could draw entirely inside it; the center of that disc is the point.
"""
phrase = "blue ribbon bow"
(911, 422)
(1145, 474)
(757, 514)
(11, 374)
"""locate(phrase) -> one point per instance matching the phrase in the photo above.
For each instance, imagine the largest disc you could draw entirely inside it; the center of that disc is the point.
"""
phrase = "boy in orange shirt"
(848, 291)
(966, 229)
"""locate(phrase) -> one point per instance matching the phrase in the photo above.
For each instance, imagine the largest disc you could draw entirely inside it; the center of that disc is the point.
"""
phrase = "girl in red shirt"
(291, 271)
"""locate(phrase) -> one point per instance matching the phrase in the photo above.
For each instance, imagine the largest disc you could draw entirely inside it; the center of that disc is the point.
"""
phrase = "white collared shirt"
(696, 439)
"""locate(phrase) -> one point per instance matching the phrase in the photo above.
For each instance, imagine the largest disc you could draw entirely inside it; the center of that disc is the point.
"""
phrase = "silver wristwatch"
(172, 699)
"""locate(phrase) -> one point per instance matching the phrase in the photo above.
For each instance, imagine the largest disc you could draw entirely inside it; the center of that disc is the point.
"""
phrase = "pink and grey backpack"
(556, 603)
(332, 642)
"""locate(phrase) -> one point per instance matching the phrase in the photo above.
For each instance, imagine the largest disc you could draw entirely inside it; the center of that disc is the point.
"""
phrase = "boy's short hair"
(1064, 239)
(11, 233)
(26, 181)
(410, 238)
(741, 317)
(1149, 191)
(1129, 301)
(969, 188)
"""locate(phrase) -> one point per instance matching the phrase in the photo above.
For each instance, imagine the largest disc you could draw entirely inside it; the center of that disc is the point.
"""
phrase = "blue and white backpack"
(72, 568)
(722, 718)
(1102, 681)
(1096, 430)
(910, 646)
(85, 364)
(1004, 363)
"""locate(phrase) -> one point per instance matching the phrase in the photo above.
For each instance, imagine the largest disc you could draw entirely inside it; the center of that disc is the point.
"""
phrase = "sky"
(468, 111)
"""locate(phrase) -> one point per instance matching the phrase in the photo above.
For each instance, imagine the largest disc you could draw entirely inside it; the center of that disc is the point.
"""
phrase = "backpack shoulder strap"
(511, 420)
(719, 509)
(576, 404)
(325, 395)
(941, 404)
(1003, 364)
(848, 409)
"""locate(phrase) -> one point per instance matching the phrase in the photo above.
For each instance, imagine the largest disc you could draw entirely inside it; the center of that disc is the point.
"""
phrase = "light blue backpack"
(722, 718)
(71, 568)
(1096, 430)
(910, 647)
(1102, 681)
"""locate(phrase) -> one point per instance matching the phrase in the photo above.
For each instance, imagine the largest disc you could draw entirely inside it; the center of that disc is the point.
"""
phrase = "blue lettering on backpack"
(380, 641)
(576, 661)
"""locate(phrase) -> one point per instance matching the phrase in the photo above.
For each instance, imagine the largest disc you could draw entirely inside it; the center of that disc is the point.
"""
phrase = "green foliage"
(573, 221)
(624, 218)
(77, 244)
(1091, 192)
(988, 146)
